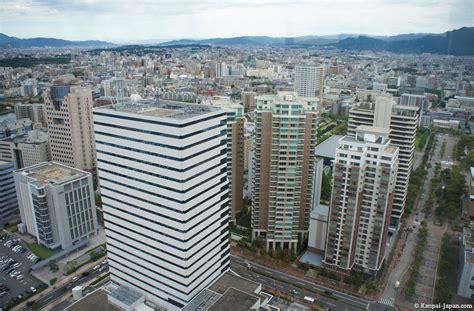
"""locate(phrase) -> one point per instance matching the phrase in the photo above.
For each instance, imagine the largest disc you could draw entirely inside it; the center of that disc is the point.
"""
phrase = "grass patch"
(41, 251)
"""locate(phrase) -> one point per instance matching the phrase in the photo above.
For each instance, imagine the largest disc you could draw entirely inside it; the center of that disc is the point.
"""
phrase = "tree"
(70, 267)
(326, 187)
(98, 200)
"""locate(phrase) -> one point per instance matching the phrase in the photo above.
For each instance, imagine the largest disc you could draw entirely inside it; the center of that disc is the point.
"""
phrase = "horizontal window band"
(223, 161)
(159, 232)
(159, 165)
(219, 182)
(182, 125)
(223, 170)
(160, 242)
(154, 265)
(140, 249)
(161, 223)
(153, 212)
(159, 155)
(156, 204)
(148, 142)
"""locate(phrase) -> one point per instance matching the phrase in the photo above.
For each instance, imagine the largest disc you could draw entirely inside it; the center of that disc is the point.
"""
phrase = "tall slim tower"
(163, 180)
(403, 123)
(285, 138)
(364, 178)
(309, 81)
(70, 127)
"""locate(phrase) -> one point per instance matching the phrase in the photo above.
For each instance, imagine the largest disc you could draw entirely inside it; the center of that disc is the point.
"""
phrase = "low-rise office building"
(56, 204)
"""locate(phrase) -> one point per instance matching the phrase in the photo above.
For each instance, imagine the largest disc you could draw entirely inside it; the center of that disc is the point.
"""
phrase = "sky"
(135, 20)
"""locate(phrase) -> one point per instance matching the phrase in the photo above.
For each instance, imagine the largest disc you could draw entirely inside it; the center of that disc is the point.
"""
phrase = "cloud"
(119, 20)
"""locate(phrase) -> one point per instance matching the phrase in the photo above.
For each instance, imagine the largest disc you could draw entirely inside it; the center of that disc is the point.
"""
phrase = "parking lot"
(17, 285)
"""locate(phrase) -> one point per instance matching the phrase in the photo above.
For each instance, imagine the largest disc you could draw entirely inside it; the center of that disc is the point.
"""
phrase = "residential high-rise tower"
(285, 137)
(403, 122)
(309, 81)
(364, 178)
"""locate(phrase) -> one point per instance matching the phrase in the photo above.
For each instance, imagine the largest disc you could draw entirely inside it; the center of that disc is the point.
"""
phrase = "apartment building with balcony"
(403, 123)
(364, 178)
(282, 178)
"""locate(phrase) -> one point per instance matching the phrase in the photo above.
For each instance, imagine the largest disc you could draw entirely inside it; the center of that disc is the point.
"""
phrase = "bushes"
(53, 267)
(52, 281)
(96, 254)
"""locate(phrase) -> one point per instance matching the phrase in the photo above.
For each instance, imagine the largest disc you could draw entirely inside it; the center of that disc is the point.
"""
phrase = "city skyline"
(156, 21)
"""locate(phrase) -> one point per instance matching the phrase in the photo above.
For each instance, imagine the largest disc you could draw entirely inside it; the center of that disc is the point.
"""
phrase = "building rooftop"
(160, 108)
(229, 292)
(126, 296)
(96, 300)
(202, 301)
(236, 300)
(327, 149)
(230, 280)
(51, 173)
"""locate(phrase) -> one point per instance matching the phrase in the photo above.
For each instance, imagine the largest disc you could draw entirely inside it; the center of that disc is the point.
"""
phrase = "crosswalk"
(387, 302)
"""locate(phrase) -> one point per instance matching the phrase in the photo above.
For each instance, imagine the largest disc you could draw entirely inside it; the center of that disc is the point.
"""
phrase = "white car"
(74, 279)
(96, 267)
(19, 277)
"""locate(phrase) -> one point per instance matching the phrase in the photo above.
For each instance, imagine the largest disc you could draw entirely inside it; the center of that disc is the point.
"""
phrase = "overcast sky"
(133, 20)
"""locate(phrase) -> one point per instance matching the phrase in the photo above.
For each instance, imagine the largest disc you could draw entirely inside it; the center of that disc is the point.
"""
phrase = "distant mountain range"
(455, 42)
(14, 42)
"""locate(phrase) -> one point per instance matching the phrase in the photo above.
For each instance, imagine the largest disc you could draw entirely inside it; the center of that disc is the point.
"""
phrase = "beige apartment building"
(285, 137)
(70, 127)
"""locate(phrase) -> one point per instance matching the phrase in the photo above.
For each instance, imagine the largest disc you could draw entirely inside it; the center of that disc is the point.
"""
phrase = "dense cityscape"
(246, 173)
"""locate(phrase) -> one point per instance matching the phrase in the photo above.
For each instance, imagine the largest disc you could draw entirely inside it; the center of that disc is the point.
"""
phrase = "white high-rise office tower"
(403, 122)
(309, 81)
(364, 178)
(163, 180)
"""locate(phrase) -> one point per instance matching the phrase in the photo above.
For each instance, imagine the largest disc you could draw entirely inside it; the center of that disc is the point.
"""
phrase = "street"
(59, 292)
(273, 279)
